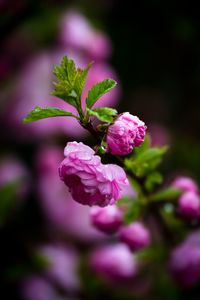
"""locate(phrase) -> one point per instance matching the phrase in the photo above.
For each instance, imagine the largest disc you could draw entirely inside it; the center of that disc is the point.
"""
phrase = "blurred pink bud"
(77, 32)
(35, 287)
(185, 184)
(13, 171)
(127, 132)
(89, 181)
(62, 265)
(135, 235)
(114, 262)
(185, 261)
(107, 219)
(189, 205)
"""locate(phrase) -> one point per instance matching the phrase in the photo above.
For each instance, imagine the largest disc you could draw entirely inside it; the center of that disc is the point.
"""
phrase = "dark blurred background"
(155, 57)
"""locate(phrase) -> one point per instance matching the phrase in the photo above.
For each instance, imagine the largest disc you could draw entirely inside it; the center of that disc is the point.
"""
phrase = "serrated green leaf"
(99, 90)
(104, 114)
(71, 81)
(80, 79)
(40, 113)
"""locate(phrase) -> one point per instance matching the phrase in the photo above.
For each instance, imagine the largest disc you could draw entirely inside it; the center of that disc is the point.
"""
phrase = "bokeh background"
(152, 48)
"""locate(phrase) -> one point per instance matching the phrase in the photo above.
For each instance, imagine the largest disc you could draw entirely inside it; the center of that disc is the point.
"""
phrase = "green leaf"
(71, 81)
(80, 79)
(152, 179)
(104, 114)
(40, 113)
(99, 90)
(166, 194)
(146, 161)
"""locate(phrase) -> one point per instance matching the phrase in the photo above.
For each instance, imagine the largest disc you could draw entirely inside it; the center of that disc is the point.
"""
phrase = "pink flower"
(184, 261)
(185, 184)
(78, 33)
(61, 211)
(189, 205)
(62, 265)
(36, 287)
(114, 262)
(135, 235)
(127, 132)
(89, 181)
(107, 219)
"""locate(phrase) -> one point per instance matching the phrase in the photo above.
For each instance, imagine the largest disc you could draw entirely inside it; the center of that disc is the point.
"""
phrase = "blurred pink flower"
(185, 184)
(36, 287)
(77, 32)
(135, 235)
(107, 219)
(62, 265)
(185, 261)
(13, 171)
(114, 262)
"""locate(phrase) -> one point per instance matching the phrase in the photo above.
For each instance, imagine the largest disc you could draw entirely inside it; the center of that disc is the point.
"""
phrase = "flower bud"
(114, 262)
(135, 235)
(127, 132)
(189, 205)
(107, 219)
(184, 261)
(185, 184)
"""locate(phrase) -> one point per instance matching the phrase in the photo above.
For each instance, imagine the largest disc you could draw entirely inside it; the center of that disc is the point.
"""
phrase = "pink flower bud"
(107, 219)
(185, 184)
(189, 205)
(135, 235)
(89, 181)
(114, 262)
(127, 132)
(184, 261)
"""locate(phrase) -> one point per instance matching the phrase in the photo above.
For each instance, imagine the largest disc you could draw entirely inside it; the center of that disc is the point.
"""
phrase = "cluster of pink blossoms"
(89, 181)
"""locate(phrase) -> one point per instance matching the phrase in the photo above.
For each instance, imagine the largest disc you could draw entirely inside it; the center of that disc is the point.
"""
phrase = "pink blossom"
(89, 181)
(62, 265)
(184, 261)
(189, 205)
(127, 132)
(107, 219)
(185, 184)
(13, 171)
(135, 235)
(78, 33)
(36, 287)
(61, 211)
(114, 262)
